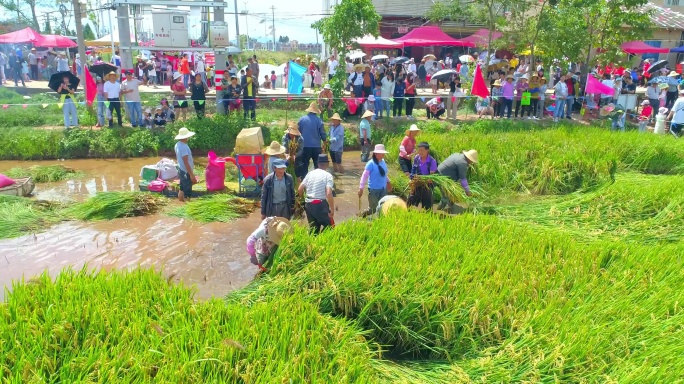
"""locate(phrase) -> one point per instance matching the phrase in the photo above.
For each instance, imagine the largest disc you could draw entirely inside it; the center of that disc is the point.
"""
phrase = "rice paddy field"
(565, 268)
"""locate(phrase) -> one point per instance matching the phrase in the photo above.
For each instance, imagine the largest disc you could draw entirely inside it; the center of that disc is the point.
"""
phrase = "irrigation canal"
(210, 256)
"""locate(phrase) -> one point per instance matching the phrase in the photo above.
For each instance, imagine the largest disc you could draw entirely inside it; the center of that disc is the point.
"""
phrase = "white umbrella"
(466, 59)
(379, 57)
(355, 55)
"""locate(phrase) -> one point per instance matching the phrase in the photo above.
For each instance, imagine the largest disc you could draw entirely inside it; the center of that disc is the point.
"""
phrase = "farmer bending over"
(456, 167)
(263, 242)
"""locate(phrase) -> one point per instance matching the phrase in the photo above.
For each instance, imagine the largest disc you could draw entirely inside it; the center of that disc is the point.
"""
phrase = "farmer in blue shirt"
(185, 163)
(313, 132)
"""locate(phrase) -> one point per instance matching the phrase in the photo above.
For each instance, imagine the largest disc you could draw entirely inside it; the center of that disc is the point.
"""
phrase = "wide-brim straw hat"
(313, 108)
(673, 74)
(497, 83)
(359, 66)
(336, 116)
(379, 148)
(293, 130)
(367, 114)
(395, 203)
(277, 228)
(471, 155)
(274, 149)
(184, 133)
(606, 110)
(542, 79)
(413, 128)
(111, 74)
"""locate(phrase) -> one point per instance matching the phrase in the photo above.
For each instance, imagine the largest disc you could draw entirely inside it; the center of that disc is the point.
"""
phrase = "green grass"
(215, 207)
(115, 205)
(43, 173)
(21, 216)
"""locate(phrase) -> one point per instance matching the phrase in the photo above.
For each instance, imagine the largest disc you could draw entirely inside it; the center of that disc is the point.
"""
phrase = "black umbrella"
(658, 65)
(401, 60)
(58, 78)
(102, 69)
(444, 75)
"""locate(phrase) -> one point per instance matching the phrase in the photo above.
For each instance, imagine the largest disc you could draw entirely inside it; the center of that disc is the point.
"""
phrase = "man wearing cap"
(263, 242)
(336, 143)
(112, 92)
(249, 85)
(423, 164)
(456, 167)
(294, 148)
(320, 204)
(131, 91)
(185, 164)
(278, 194)
(313, 133)
(33, 64)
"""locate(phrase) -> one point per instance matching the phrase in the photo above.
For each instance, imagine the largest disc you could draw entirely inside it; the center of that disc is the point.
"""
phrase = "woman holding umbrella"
(68, 107)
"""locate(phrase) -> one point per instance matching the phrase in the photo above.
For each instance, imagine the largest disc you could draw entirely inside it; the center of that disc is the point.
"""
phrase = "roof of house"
(409, 8)
(665, 17)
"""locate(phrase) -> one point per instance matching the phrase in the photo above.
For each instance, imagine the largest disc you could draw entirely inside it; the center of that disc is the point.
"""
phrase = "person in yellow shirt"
(249, 85)
(514, 62)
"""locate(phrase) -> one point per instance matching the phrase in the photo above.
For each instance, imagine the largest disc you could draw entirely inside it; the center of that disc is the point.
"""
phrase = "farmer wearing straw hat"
(365, 134)
(294, 147)
(356, 80)
(262, 243)
(336, 143)
(185, 163)
(278, 194)
(112, 92)
(325, 100)
(390, 203)
(274, 151)
(313, 133)
(375, 173)
(456, 167)
(407, 149)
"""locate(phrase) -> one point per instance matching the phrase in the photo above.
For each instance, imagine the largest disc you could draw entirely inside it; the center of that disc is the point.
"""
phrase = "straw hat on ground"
(673, 74)
(414, 128)
(336, 116)
(313, 108)
(471, 155)
(367, 114)
(395, 203)
(274, 149)
(277, 228)
(184, 133)
(293, 130)
(380, 149)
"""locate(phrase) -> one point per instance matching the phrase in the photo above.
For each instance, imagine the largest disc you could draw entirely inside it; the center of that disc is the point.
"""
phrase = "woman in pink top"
(407, 149)
(507, 96)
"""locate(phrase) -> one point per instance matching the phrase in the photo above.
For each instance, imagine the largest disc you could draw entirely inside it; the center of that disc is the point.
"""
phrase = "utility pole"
(273, 25)
(237, 27)
(244, 11)
(220, 58)
(79, 37)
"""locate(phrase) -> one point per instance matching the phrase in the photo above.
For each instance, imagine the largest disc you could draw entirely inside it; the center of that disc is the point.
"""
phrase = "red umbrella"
(26, 35)
(55, 41)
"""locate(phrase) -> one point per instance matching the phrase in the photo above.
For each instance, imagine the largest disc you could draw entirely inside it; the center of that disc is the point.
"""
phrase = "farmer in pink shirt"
(507, 96)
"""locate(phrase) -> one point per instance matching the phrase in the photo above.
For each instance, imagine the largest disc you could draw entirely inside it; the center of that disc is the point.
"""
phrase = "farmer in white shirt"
(356, 80)
(332, 67)
(412, 66)
(199, 68)
(112, 92)
(131, 91)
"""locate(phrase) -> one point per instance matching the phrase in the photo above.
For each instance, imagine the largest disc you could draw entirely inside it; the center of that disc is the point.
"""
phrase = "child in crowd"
(159, 119)
(210, 76)
(25, 70)
(377, 93)
(274, 78)
(646, 112)
(267, 82)
(169, 114)
(317, 77)
(147, 118)
(263, 242)
(369, 106)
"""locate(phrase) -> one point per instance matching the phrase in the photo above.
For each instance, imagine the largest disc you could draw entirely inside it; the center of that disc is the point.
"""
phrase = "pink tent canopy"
(430, 36)
(481, 37)
(26, 35)
(369, 41)
(639, 47)
(55, 41)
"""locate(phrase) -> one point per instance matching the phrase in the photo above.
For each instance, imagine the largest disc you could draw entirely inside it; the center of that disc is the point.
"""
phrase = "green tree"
(526, 20)
(351, 19)
(283, 39)
(88, 33)
(18, 7)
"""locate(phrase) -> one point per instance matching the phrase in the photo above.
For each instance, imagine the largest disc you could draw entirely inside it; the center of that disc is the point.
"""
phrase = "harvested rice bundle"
(21, 215)
(43, 173)
(217, 207)
(114, 205)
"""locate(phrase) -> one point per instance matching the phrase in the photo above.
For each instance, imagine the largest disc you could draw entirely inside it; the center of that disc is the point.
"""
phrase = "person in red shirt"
(185, 70)
(645, 115)
(646, 75)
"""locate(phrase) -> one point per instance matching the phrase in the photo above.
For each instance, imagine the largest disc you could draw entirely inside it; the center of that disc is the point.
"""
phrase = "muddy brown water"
(210, 257)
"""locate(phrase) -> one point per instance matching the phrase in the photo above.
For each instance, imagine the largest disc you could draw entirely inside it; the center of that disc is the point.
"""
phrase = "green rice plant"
(21, 215)
(43, 173)
(642, 208)
(215, 207)
(135, 327)
(114, 205)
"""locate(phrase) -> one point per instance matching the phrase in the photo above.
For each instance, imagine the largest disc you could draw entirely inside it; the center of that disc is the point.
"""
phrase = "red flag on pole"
(90, 87)
(479, 86)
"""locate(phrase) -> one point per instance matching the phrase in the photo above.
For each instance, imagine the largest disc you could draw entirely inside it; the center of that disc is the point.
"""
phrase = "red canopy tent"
(371, 42)
(639, 47)
(481, 37)
(55, 41)
(26, 35)
(430, 36)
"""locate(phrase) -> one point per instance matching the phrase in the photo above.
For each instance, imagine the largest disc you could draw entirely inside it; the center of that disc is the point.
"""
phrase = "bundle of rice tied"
(450, 189)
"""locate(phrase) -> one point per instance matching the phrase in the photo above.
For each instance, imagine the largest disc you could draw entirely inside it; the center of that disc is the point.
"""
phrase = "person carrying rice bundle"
(263, 242)
(423, 164)
(456, 167)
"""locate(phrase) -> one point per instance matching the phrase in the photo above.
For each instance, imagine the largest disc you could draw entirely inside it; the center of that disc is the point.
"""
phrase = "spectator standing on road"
(3, 63)
(332, 67)
(112, 91)
(200, 69)
(131, 91)
(33, 63)
(185, 70)
(249, 84)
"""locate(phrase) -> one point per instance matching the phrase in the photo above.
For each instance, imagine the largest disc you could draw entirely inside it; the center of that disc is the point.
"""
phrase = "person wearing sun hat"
(456, 168)
(185, 163)
(672, 83)
(376, 175)
(645, 115)
(407, 149)
(263, 242)
(325, 100)
(313, 133)
(112, 92)
(336, 136)
(294, 148)
(278, 193)
(274, 151)
(365, 134)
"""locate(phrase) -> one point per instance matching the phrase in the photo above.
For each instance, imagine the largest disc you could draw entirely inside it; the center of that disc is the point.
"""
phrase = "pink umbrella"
(26, 35)
(55, 41)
